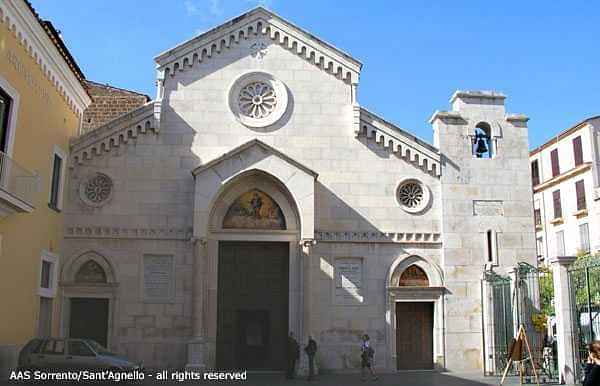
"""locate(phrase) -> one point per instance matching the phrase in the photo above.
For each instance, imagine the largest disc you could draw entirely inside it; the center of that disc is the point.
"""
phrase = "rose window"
(257, 100)
(97, 189)
(413, 196)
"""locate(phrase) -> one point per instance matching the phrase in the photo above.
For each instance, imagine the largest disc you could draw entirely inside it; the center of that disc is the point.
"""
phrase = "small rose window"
(413, 195)
(96, 189)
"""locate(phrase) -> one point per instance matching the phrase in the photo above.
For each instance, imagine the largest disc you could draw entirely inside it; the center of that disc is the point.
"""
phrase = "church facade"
(256, 197)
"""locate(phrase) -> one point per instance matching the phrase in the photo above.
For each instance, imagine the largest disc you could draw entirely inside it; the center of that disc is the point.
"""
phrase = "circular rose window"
(257, 99)
(413, 195)
(96, 189)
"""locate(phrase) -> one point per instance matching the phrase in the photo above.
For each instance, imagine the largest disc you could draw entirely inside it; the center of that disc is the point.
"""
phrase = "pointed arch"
(431, 270)
(254, 209)
(85, 268)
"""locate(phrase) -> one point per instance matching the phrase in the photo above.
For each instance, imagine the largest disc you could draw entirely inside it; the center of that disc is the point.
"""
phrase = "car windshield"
(98, 348)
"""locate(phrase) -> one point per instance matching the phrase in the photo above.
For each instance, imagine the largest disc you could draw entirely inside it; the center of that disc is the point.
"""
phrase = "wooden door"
(89, 319)
(414, 336)
(252, 305)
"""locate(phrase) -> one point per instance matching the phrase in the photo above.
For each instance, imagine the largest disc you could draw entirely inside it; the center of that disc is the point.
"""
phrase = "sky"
(545, 56)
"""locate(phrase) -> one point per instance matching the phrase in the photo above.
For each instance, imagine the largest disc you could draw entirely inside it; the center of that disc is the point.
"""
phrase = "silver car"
(59, 353)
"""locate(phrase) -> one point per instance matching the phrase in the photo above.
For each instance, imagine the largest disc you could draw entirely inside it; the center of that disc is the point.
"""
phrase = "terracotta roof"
(54, 36)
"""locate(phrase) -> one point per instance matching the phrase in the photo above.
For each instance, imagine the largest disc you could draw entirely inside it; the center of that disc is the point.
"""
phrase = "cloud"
(205, 9)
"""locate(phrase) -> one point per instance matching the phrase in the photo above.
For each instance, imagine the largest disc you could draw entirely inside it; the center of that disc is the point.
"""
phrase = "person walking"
(293, 353)
(366, 355)
(592, 368)
(311, 351)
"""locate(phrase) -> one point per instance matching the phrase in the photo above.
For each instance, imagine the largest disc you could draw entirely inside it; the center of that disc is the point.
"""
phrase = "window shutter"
(538, 216)
(556, 202)
(535, 173)
(577, 151)
(555, 164)
(580, 191)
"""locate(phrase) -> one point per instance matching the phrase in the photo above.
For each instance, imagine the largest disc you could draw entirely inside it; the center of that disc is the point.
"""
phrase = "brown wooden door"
(89, 319)
(252, 305)
(414, 336)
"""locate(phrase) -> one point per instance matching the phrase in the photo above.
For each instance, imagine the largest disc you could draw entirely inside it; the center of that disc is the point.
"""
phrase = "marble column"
(197, 353)
(564, 318)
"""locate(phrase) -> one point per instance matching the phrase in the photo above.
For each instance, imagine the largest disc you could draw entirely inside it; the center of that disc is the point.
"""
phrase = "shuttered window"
(577, 151)
(580, 191)
(556, 202)
(560, 243)
(555, 164)
(537, 214)
(535, 173)
(584, 237)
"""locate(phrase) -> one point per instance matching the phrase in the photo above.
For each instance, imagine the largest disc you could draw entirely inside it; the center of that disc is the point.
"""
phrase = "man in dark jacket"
(311, 351)
(293, 353)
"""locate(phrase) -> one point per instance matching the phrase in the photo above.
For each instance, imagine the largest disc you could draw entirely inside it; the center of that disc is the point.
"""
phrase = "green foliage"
(585, 272)
(546, 284)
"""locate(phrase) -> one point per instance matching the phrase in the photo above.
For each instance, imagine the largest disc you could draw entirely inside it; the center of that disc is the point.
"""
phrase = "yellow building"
(42, 99)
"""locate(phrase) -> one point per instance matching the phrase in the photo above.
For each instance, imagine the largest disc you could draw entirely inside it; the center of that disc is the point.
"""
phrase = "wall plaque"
(349, 280)
(158, 278)
(488, 208)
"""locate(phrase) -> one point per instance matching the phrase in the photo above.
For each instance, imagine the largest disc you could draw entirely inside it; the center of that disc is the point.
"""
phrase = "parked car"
(59, 353)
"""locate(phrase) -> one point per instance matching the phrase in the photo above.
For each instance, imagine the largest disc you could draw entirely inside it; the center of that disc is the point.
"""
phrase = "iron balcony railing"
(17, 181)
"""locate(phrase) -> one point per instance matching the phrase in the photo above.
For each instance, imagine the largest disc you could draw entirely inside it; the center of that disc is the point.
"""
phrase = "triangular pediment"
(253, 150)
(251, 25)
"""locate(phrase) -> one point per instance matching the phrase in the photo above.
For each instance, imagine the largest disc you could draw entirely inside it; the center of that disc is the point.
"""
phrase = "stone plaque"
(488, 208)
(158, 278)
(348, 280)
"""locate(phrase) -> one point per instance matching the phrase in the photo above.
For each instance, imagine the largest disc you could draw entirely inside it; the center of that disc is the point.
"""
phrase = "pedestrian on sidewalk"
(293, 353)
(592, 368)
(366, 355)
(311, 351)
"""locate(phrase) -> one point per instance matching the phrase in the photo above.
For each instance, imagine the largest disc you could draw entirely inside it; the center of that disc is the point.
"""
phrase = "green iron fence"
(584, 283)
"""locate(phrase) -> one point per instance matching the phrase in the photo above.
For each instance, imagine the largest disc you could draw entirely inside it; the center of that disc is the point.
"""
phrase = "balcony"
(17, 187)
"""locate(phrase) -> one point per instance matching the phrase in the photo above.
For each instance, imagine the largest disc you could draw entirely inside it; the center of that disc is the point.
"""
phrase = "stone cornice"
(378, 237)
(18, 18)
(446, 116)
(102, 232)
(400, 142)
(250, 25)
(114, 133)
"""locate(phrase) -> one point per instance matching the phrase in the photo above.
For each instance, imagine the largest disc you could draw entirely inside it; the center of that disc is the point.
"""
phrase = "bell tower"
(487, 208)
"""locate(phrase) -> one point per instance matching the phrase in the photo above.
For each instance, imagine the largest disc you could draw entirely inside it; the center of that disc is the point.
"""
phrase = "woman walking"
(366, 354)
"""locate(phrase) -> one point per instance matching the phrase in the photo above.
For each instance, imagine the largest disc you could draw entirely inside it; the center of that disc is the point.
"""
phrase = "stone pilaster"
(564, 318)
(197, 347)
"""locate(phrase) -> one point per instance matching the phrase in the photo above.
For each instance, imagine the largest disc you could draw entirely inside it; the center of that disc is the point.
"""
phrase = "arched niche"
(277, 204)
(413, 276)
(254, 209)
(417, 266)
(90, 268)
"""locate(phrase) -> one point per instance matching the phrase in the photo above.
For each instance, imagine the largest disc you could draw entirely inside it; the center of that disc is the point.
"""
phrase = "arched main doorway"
(253, 245)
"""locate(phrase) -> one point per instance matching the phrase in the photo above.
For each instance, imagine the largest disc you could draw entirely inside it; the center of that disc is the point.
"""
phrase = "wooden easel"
(518, 344)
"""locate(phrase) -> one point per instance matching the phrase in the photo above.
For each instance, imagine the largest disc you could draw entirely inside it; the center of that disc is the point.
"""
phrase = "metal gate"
(525, 298)
(501, 323)
(584, 283)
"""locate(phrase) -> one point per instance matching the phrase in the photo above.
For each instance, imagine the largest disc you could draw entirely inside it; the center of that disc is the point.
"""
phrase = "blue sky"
(544, 55)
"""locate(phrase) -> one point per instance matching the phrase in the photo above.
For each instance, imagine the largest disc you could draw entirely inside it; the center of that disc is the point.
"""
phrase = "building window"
(580, 193)
(5, 106)
(48, 274)
(57, 181)
(584, 237)
(537, 215)
(555, 163)
(560, 243)
(557, 204)
(482, 141)
(535, 173)
(577, 151)
(540, 247)
(491, 247)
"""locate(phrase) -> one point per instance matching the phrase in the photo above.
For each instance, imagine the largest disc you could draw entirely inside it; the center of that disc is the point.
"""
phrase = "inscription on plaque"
(488, 208)
(348, 280)
(159, 283)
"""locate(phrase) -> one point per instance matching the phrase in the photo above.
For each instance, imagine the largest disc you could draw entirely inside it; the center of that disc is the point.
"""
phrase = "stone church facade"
(256, 197)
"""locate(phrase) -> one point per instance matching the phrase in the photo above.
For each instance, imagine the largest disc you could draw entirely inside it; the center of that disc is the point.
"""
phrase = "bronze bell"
(481, 146)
